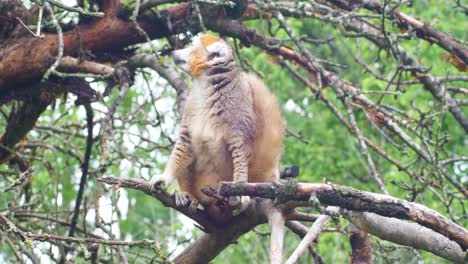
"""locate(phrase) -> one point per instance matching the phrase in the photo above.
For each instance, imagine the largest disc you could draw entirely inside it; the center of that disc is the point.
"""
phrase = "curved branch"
(312, 233)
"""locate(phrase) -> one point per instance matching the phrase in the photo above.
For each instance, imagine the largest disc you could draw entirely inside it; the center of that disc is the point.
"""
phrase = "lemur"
(231, 129)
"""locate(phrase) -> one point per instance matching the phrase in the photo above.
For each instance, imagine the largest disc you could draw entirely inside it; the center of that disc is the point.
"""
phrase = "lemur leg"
(179, 160)
(240, 159)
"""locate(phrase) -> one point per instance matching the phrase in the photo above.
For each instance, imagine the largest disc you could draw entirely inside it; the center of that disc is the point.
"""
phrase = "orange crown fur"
(208, 39)
(197, 62)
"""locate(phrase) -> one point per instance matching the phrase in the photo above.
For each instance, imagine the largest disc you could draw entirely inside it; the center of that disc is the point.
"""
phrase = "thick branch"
(209, 245)
(26, 59)
(408, 234)
(351, 199)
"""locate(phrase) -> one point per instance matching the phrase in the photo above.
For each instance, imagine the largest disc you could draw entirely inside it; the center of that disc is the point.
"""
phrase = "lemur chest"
(206, 134)
(204, 128)
(208, 143)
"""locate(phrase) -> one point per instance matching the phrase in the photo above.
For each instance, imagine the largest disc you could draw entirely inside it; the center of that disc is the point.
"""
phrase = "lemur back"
(231, 129)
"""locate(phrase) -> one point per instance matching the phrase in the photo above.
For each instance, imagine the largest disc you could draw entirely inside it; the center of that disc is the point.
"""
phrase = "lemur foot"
(238, 204)
(185, 199)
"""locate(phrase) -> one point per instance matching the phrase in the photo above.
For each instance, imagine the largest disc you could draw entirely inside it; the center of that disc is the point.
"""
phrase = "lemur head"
(205, 52)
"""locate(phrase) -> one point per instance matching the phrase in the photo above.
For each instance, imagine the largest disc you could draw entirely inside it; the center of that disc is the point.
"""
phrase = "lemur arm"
(179, 160)
(240, 152)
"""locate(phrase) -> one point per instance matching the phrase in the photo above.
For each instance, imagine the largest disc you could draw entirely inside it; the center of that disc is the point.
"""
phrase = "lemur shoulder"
(231, 129)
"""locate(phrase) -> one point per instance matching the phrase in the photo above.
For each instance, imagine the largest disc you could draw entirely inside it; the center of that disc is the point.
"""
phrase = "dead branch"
(351, 199)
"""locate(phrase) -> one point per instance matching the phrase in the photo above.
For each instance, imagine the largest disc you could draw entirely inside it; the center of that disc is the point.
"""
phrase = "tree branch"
(70, 64)
(312, 233)
(84, 168)
(201, 217)
(351, 199)
(206, 248)
(20, 180)
(422, 30)
(408, 234)
(107, 34)
(361, 246)
(210, 244)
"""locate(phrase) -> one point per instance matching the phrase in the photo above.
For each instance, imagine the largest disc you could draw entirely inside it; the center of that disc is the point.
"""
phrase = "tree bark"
(361, 246)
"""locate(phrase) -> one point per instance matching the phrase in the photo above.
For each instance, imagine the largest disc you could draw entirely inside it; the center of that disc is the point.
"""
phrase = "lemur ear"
(218, 49)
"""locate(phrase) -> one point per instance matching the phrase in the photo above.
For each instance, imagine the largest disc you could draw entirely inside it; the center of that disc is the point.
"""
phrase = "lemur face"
(204, 52)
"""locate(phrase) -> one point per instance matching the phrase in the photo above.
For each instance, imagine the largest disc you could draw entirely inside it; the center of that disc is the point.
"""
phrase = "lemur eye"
(213, 55)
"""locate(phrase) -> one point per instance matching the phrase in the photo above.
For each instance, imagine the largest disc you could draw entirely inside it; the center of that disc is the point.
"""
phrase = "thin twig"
(22, 178)
(60, 42)
(28, 29)
(314, 230)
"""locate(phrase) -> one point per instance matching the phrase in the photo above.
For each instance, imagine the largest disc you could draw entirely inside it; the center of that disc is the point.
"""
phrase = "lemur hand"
(159, 181)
